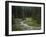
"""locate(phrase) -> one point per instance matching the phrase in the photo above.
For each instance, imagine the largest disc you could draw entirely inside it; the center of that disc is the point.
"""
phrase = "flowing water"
(23, 26)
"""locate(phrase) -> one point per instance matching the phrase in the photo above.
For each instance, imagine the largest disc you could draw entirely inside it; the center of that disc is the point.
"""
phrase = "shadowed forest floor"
(27, 24)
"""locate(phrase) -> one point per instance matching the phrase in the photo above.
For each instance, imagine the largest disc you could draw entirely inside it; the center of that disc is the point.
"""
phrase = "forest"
(26, 18)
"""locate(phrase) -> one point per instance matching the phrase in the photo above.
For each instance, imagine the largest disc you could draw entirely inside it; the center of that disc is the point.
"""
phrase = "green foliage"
(31, 22)
(31, 15)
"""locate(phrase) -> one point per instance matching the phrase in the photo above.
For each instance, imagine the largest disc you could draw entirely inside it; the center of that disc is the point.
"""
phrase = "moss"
(31, 22)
